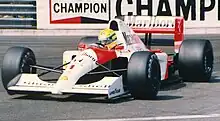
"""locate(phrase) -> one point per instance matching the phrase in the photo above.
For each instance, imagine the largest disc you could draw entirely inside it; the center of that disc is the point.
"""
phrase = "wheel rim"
(208, 61)
(153, 74)
(26, 63)
(207, 65)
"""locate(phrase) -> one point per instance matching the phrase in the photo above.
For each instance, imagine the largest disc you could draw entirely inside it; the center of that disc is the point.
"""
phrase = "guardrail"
(18, 14)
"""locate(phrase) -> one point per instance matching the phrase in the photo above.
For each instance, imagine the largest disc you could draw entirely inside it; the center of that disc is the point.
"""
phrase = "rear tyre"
(195, 61)
(143, 75)
(17, 60)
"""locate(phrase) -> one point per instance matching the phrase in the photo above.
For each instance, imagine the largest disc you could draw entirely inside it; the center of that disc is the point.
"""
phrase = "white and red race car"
(133, 67)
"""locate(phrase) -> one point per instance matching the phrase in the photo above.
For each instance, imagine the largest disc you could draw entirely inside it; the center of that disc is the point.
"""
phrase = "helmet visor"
(105, 41)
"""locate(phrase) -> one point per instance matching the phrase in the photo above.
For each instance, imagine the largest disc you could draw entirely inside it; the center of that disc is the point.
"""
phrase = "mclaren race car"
(133, 67)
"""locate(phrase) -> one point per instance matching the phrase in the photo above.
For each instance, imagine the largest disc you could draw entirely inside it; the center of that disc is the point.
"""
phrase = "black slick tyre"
(195, 61)
(17, 60)
(143, 75)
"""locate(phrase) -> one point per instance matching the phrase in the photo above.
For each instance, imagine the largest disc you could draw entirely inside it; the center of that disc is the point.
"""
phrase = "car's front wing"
(110, 86)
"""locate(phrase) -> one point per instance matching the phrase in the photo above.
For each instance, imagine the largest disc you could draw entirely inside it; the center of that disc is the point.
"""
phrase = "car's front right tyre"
(17, 60)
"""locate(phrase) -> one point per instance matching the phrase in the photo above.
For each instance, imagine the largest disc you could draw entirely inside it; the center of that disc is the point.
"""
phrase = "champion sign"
(191, 10)
(95, 14)
(79, 11)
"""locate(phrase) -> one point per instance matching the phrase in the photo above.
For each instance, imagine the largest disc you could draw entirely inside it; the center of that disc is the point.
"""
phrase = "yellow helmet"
(107, 36)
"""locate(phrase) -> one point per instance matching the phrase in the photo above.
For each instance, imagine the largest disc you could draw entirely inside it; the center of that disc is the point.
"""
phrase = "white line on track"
(155, 118)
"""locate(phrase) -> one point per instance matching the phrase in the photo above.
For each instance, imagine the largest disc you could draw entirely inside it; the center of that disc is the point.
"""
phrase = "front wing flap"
(110, 86)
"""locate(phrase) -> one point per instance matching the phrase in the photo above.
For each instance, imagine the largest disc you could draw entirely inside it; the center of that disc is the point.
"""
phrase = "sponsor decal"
(79, 11)
(131, 39)
(146, 21)
(64, 67)
(86, 54)
(63, 78)
(72, 66)
(115, 91)
(127, 37)
(191, 10)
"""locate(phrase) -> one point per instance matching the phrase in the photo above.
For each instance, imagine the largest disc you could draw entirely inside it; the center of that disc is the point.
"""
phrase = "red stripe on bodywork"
(81, 46)
(156, 51)
(167, 71)
(179, 29)
(75, 20)
(154, 30)
(169, 63)
(72, 66)
(104, 55)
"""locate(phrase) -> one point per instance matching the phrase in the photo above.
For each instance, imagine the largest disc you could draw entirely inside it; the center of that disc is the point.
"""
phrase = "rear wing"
(157, 24)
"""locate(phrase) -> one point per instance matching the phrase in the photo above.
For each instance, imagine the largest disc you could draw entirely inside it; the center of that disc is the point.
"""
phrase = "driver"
(107, 38)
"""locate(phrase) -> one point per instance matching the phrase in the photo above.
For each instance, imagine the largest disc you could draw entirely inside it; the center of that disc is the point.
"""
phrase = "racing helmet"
(107, 36)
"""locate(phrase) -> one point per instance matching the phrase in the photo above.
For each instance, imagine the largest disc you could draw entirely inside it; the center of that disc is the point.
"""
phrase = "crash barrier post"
(18, 14)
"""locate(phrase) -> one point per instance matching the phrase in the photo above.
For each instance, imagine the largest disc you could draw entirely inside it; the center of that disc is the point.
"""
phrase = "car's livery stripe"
(75, 20)
(103, 55)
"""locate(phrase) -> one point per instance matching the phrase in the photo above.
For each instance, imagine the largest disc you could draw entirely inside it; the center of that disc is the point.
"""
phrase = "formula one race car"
(132, 67)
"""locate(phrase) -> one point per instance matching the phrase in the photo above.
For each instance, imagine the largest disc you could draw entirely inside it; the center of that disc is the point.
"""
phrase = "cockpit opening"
(114, 26)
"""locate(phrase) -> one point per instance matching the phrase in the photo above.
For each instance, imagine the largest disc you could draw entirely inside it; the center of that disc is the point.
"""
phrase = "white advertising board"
(94, 14)
(72, 14)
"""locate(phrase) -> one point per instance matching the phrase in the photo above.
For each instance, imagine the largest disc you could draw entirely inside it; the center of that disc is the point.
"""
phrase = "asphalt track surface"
(180, 101)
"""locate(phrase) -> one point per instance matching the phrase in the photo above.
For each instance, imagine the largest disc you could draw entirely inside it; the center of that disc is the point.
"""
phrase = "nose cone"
(83, 63)
(79, 66)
